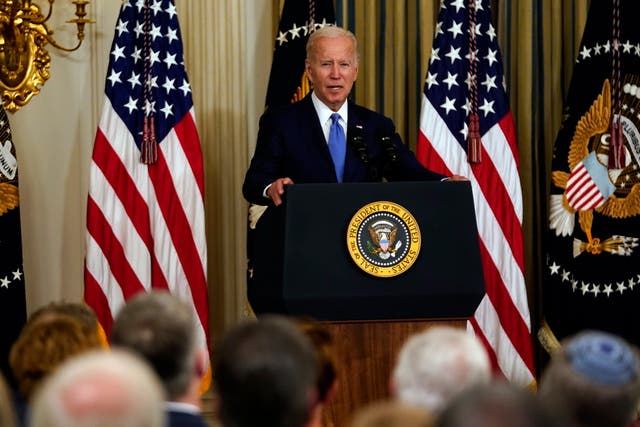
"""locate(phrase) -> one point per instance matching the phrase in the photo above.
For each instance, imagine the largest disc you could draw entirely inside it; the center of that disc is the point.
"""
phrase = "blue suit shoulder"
(287, 111)
(375, 129)
(185, 419)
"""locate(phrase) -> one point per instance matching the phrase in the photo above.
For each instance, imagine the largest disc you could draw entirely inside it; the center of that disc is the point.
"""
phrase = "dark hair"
(326, 358)
(265, 374)
(497, 404)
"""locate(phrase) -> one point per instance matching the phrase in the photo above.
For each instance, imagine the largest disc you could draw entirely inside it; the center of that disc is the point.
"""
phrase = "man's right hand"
(276, 190)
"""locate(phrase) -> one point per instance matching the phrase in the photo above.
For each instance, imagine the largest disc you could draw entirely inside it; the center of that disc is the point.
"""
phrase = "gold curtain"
(539, 42)
(537, 93)
(394, 39)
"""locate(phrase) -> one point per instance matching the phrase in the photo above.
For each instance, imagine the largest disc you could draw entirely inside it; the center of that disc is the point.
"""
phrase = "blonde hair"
(391, 414)
(7, 412)
(44, 344)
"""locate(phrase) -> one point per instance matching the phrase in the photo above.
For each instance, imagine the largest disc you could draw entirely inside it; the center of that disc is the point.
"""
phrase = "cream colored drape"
(228, 53)
(394, 38)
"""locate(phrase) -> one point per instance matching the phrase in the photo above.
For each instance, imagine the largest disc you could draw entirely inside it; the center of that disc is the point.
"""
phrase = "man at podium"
(324, 138)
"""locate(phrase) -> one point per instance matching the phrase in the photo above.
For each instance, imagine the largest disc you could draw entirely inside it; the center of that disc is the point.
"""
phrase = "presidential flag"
(466, 128)
(592, 276)
(287, 80)
(13, 311)
(145, 210)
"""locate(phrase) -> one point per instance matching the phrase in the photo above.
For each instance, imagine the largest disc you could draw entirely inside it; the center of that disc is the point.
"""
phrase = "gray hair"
(100, 389)
(162, 329)
(435, 365)
(332, 32)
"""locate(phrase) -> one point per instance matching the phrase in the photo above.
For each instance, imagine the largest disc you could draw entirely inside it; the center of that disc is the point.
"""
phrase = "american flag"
(145, 221)
(502, 319)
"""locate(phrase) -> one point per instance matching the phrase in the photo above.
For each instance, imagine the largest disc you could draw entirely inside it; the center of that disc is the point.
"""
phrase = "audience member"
(7, 412)
(266, 375)
(391, 414)
(162, 329)
(327, 382)
(327, 363)
(100, 389)
(497, 404)
(77, 310)
(435, 365)
(595, 376)
(43, 344)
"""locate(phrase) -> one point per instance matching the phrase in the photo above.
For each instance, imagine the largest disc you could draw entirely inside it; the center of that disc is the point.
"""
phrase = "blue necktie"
(337, 145)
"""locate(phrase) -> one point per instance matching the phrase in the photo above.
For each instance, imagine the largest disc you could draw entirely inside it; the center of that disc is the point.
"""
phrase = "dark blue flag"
(13, 310)
(287, 82)
(593, 259)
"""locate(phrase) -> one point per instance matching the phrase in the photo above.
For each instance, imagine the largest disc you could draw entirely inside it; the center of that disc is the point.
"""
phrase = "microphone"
(389, 149)
(360, 147)
(391, 154)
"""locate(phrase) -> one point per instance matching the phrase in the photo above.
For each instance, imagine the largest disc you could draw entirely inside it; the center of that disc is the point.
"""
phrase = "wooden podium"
(367, 351)
(301, 266)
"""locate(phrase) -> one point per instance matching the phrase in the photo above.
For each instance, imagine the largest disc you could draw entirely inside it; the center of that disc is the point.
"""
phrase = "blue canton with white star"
(171, 92)
(447, 83)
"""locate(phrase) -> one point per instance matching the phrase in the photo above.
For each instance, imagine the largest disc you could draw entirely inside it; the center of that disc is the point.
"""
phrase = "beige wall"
(228, 47)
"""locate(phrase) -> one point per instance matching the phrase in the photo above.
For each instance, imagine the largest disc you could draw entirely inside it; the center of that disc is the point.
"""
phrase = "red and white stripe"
(502, 319)
(582, 192)
(145, 223)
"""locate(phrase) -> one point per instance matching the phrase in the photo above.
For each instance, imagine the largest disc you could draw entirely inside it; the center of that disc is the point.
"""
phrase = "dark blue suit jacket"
(185, 419)
(291, 144)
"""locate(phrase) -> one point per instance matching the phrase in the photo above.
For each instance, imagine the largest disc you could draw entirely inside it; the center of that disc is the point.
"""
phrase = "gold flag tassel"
(474, 151)
(474, 142)
(616, 144)
(149, 147)
(149, 153)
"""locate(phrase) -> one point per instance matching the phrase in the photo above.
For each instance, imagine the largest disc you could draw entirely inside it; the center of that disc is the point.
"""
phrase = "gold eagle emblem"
(592, 136)
(9, 197)
(383, 239)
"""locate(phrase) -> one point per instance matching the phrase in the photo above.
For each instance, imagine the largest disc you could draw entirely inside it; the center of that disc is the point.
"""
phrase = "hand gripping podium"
(303, 264)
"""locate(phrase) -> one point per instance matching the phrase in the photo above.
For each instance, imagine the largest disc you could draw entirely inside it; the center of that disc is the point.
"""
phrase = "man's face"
(332, 69)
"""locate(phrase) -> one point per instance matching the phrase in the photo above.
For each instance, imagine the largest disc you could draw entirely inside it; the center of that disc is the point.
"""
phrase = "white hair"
(100, 389)
(332, 32)
(435, 365)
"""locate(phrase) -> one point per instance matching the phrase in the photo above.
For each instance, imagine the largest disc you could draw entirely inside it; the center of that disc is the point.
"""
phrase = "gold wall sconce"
(24, 61)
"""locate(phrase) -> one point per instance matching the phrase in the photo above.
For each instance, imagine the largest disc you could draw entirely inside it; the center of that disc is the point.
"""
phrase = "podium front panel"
(320, 279)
